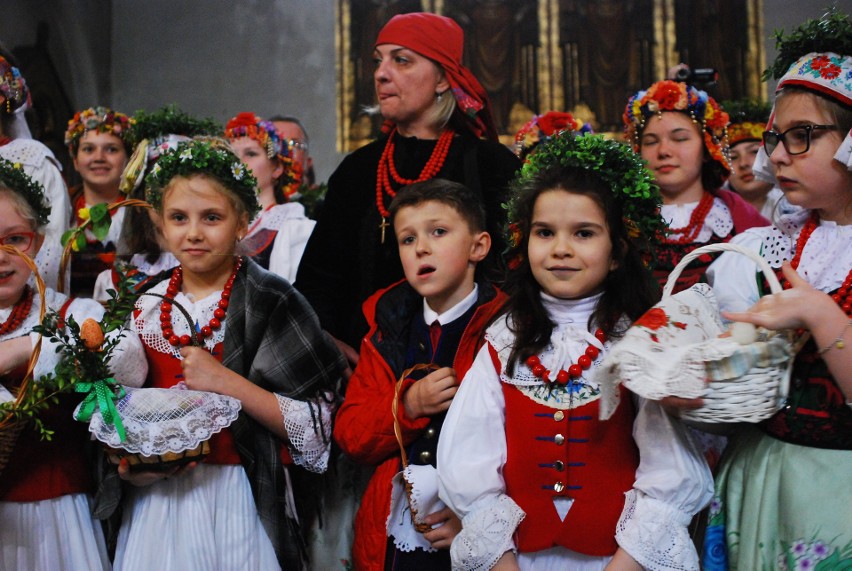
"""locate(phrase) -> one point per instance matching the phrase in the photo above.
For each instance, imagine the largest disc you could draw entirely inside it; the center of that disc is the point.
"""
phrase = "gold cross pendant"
(383, 226)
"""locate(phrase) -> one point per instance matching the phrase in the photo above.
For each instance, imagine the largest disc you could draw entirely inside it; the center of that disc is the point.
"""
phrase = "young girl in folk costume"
(17, 146)
(45, 488)
(681, 132)
(259, 342)
(783, 486)
(538, 479)
(143, 257)
(98, 140)
(278, 235)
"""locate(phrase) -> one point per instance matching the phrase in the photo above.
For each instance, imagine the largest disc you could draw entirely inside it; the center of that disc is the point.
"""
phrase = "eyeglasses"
(797, 140)
(20, 240)
(294, 144)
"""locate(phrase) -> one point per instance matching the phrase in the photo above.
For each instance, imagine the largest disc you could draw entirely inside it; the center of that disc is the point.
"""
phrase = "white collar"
(570, 311)
(456, 311)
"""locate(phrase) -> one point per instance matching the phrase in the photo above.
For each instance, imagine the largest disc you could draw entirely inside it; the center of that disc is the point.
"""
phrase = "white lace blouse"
(672, 480)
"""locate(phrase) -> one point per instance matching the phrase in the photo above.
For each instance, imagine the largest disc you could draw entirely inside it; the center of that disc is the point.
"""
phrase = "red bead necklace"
(842, 297)
(387, 170)
(696, 223)
(19, 312)
(575, 371)
(218, 314)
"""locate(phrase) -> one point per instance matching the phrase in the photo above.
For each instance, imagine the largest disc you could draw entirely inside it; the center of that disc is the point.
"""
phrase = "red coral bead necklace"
(575, 371)
(218, 314)
(696, 222)
(844, 292)
(387, 170)
(19, 312)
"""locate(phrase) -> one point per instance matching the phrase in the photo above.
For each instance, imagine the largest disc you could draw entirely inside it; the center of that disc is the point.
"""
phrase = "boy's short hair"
(457, 196)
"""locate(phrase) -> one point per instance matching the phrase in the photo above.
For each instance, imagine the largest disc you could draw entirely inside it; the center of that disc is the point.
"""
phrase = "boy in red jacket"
(435, 316)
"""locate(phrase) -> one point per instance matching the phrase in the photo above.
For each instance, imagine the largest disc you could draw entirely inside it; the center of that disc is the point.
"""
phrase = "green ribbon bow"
(101, 395)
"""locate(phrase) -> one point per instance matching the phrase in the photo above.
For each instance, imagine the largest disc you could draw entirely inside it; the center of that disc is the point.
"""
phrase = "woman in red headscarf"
(437, 124)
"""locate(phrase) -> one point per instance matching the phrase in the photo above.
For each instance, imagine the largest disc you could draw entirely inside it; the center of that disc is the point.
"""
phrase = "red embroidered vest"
(570, 454)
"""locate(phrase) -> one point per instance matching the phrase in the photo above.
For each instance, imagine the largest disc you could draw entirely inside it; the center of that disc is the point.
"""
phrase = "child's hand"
(142, 478)
(789, 309)
(441, 537)
(431, 394)
(201, 370)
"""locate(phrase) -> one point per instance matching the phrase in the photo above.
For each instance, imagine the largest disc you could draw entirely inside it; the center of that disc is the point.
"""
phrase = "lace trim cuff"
(655, 534)
(486, 534)
(308, 426)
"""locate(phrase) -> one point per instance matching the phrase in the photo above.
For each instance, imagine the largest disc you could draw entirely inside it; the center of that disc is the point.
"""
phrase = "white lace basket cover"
(162, 421)
(675, 350)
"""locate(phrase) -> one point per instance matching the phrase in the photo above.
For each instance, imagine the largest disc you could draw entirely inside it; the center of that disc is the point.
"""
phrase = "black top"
(345, 260)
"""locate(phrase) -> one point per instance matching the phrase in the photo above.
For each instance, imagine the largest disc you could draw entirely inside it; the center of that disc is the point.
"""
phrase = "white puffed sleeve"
(471, 455)
(673, 483)
(308, 426)
(737, 291)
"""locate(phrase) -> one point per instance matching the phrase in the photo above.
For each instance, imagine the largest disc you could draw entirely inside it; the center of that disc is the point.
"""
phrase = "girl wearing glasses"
(780, 487)
(45, 488)
(278, 235)
(681, 132)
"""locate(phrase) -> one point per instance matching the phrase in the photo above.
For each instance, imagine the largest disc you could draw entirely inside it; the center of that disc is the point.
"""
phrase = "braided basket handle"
(397, 429)
(66, 251)
(768, 272)
(37, 349)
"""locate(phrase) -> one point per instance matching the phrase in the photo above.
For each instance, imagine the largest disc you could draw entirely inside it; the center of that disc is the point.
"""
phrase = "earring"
(440, 96)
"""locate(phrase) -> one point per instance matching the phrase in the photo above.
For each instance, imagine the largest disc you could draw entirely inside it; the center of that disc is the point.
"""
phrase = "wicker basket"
(761, 391)
(138, 462)
(397, 430)
(10, 424)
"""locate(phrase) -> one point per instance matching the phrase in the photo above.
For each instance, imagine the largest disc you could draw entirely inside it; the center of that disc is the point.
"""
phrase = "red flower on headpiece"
(830, 71)
(555, 121)
(669, 95)
(820, 62)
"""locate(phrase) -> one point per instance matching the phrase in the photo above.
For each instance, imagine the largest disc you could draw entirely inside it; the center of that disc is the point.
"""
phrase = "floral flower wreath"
(831, 33)
(542, 126)
(748, 120)
(12, 176)
(670, 95)
(100, 119)
(249, 125)
(158, 125)
(622, 170)
(208, 158)
(12, 86)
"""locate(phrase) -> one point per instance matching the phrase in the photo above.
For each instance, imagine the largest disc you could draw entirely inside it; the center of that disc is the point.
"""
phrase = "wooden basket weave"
(397, 430)
(761, 391)
(10, 424)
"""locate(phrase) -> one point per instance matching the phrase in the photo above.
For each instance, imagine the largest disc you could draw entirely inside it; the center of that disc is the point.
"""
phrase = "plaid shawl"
(277, 343)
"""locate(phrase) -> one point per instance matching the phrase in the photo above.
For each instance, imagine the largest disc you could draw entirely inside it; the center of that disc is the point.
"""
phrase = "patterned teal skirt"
(780, 506)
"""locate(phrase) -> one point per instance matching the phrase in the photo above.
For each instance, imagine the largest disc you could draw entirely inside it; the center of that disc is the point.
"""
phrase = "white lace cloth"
(671, 471)
(307, 446)
(40, 164)
(718, 221)
(293, 230)
(128, 364)
(158, 421)
(424, 500)
(825, 261)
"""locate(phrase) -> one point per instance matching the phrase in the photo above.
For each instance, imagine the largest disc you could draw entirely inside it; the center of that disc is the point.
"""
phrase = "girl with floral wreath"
(438, 123)
(45, 490)
(278, 235)
(681, 132)
(539, 480)
(780, 487)
(251, 336)
(18, 146)
(99, 142)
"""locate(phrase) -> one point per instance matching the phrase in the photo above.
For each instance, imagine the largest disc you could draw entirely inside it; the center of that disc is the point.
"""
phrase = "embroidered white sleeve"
(308, 426)
(486, 534)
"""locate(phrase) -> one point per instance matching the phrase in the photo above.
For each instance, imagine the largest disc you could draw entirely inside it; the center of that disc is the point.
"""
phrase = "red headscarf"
(441, 39)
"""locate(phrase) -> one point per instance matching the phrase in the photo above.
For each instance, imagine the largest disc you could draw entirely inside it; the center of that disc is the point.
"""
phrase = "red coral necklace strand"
(575, 371)
(696, 222)
(844, 292)
(387, 170)
(218, 314)
(19, 312)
